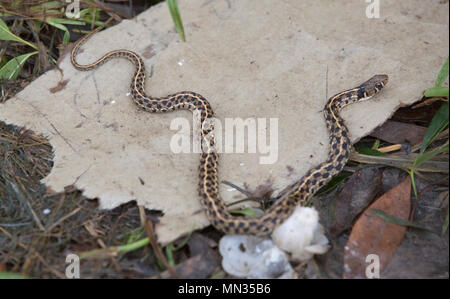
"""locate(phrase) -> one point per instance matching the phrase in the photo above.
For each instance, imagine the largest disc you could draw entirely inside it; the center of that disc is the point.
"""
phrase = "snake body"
(208, 188)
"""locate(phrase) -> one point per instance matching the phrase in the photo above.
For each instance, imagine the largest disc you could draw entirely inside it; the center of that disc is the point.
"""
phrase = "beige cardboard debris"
(250, 59)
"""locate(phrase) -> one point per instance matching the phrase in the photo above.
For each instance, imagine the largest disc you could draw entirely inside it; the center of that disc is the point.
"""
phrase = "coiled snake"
(208, 188)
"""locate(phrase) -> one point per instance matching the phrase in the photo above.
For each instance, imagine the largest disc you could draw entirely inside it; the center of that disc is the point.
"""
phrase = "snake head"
(373, 85)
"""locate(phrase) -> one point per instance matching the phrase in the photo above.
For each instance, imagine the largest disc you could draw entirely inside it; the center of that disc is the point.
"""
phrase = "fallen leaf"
(200, 266)
(202, 263)
(420, 113)
(358, 192)
(397, 132)
(200, 244)
(372, 235)
(197, 267)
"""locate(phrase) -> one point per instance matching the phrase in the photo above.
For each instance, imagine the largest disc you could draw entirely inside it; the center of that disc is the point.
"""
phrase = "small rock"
(253, 257)
(301, 234)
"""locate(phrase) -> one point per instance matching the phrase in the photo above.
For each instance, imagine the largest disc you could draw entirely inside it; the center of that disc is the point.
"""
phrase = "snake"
(216, 211)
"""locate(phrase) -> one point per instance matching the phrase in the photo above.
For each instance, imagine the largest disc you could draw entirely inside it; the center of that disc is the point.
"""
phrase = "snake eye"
(378, 85)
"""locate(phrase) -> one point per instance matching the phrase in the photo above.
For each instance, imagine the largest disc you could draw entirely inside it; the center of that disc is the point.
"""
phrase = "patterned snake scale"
(208, 187)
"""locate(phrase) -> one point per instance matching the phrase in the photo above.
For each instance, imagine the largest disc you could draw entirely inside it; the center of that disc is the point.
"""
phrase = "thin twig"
(63, 218)
(150, 231)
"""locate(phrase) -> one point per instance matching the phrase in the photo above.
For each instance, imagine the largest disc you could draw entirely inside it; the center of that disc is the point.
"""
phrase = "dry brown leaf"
(203, 261)
(397, 132)
(357, 194)
(372, 235)
(197, 267)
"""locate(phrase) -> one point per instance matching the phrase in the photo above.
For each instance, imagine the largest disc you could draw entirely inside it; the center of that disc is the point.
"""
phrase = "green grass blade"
(443, 74)
(12, 68)
(10, 275)
(175, 13)
(445, 226)
(249, 212)
(376, 145)
(333, 183)
(438, 123)
(169, 255)
(368, 151)
(133, 235)
(55, 22)
(47, 6)
(66, 38)
(133, 246)
(65, 21)
(105, 252)
(91, 15)
(423, 157)
(428, 155)
(175, 248)
(401, 162)
(3, 61)
(436, 92)
(413, 182)
(396, 220)
(6, 34)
